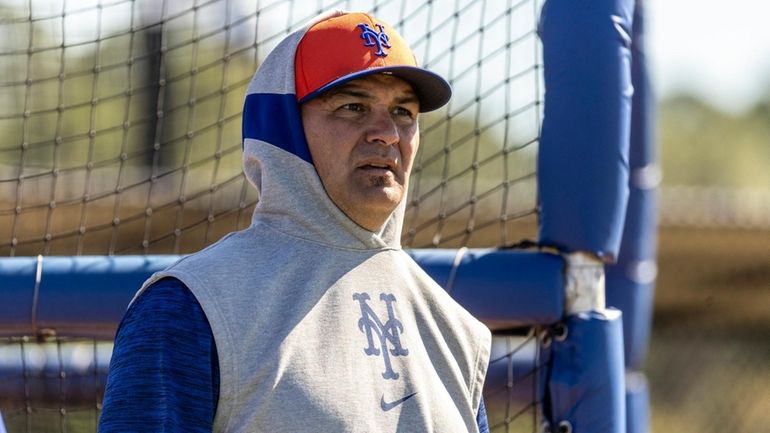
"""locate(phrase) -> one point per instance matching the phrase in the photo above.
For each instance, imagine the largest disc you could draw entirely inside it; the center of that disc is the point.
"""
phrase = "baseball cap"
(354, 44)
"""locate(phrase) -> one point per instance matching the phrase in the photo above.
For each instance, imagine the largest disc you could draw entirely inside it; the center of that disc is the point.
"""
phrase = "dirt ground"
(709, 358)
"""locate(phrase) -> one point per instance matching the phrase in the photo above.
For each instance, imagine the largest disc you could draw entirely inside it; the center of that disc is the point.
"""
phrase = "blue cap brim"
(431, 89)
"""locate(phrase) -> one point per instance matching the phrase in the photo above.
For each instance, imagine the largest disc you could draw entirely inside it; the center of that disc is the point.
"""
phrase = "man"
(313, 318)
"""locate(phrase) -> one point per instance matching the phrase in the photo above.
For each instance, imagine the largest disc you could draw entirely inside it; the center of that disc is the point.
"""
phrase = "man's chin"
(380, 178)
(385, 198)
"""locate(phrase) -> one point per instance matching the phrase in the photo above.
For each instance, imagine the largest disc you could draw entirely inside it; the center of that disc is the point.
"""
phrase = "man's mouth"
(376, 165)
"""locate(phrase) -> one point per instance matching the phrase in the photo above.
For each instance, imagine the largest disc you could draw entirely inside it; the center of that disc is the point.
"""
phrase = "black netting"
(120, 133)
(52, 384)
(121, 126)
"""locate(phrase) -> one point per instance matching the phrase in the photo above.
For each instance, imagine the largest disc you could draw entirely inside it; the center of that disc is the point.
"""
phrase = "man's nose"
(383, 129)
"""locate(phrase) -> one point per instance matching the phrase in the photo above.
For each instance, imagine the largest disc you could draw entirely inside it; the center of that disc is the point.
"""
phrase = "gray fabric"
(293, 200)
(323, 326)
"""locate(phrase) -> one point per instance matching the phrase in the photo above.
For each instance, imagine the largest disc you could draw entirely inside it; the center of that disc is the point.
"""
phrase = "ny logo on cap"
(373, 38)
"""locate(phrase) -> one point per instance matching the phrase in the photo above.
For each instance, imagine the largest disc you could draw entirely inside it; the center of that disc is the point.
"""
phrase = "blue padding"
(265, 116)
(587, 382)
(635, 300)
(88, 295)
(630, 282)
(17, 284)
(644, 149)
(637, 403)
(502, 288)
(583, 154)
(76, 295)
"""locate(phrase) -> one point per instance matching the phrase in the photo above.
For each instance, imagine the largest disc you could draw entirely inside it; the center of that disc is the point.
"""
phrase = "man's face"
(363, 136)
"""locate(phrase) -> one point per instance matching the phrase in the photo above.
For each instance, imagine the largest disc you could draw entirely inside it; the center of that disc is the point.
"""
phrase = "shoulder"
(163, 297)
(165, 308)
(164, 323)
(233, 253)
(164, 351)
(163, 293)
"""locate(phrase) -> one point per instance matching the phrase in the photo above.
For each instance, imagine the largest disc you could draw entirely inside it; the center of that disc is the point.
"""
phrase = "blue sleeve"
(164, 372)
(481, 418)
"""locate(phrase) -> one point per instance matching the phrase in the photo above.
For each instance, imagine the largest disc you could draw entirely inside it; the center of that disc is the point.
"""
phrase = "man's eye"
(353, 107)
(401, 111)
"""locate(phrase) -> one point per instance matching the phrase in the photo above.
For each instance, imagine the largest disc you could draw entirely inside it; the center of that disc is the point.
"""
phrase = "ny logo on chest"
(379, 334)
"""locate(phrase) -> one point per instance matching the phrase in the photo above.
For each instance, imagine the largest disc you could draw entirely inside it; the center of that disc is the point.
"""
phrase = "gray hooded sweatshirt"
(319, 324)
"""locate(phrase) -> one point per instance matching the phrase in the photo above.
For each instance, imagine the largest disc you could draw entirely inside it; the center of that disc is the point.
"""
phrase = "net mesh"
(513, 389)
(52, 384)
(56, 384)
(120, 133)
(121, 126)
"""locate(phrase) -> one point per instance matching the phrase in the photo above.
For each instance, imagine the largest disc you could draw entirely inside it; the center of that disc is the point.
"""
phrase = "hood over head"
(332, 49)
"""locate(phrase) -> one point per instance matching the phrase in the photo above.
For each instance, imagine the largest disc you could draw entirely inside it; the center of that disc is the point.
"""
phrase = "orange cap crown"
(345, 47)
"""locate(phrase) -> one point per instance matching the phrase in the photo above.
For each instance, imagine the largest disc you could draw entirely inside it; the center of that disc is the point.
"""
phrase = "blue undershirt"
(164, 372)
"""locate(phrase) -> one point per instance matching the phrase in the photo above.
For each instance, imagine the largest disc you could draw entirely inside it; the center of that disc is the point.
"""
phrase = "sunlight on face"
(363, 136)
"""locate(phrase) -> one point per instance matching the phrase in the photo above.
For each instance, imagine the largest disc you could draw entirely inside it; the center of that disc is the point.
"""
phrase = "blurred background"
(709, 360)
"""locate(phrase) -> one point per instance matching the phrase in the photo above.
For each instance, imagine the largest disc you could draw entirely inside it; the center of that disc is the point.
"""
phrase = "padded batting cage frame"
(555, 338)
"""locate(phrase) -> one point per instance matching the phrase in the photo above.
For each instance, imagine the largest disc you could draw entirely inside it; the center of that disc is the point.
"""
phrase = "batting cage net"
(53, 384)
(120, 133)
(121, 120)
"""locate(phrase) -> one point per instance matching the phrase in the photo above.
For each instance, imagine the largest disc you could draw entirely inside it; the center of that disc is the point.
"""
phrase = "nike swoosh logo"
(388, 406)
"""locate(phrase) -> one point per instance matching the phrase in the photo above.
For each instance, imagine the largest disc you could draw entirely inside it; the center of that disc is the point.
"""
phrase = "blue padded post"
(631, 282)
(502, 288)
(587, 387)
(73, 296)
(17, 288)
(637, 403)
(583, 153)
